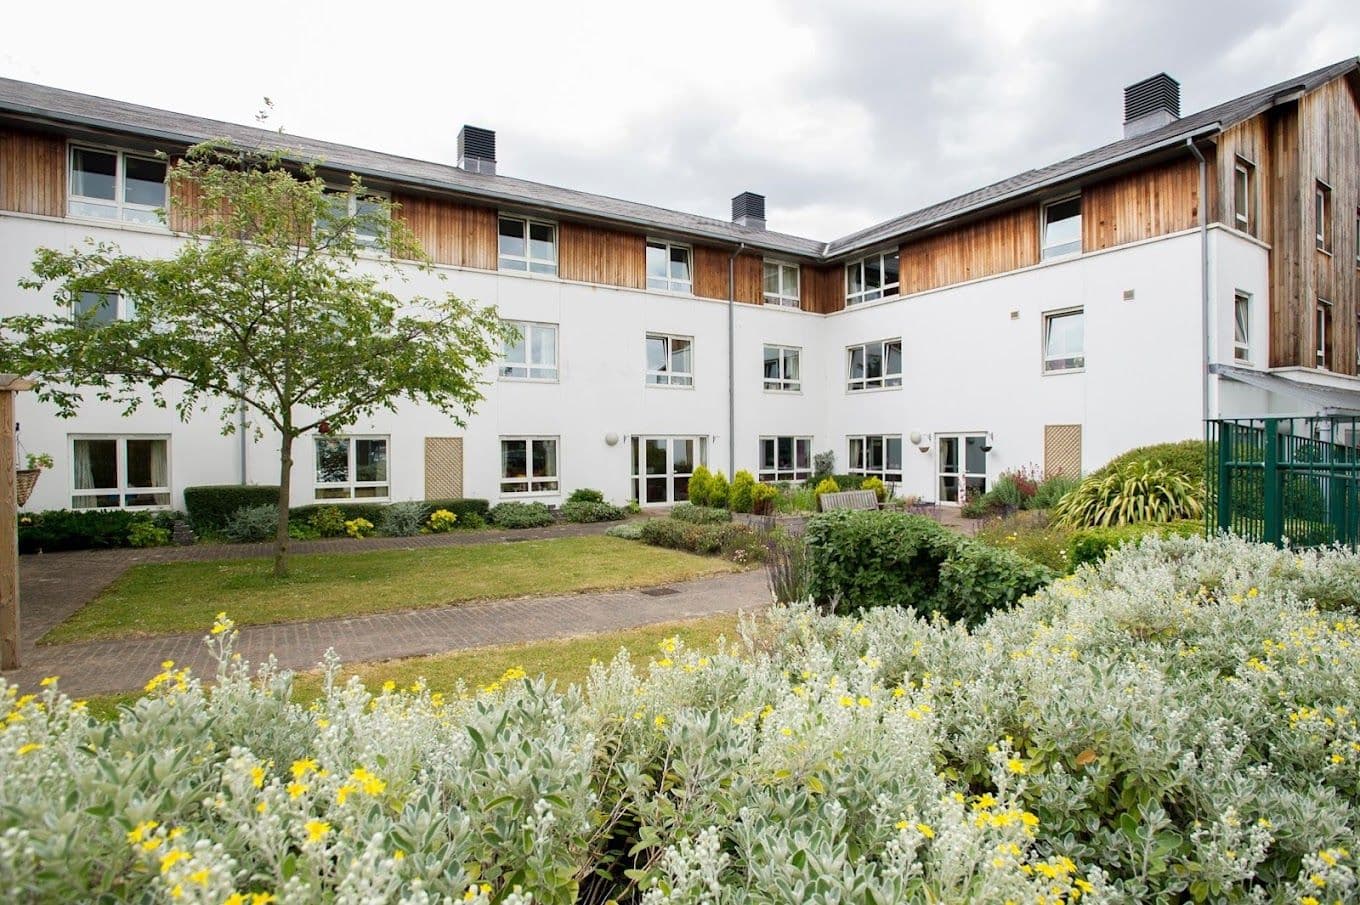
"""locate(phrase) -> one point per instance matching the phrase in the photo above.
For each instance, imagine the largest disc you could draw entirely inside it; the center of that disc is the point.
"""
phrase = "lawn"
(184, 597)
(566, 660)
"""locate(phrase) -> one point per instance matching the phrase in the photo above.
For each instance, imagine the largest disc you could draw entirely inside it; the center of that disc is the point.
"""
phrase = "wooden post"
(10, 385)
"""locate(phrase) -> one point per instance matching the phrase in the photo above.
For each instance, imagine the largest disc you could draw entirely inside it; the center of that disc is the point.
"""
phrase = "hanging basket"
(25, 480)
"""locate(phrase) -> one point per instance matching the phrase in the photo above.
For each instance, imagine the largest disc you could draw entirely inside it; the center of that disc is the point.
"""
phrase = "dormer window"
(528, 246)
(1062, 228)
(668, 267)
(115, 185)
(871, 277)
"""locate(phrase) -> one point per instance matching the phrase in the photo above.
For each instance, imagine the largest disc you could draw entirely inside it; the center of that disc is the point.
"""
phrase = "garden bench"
(849, 499)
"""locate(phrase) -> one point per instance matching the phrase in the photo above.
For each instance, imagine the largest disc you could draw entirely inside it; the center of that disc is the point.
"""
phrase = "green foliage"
(1092, 545)
(586, 511)
(849, 481)
(627, 530)
(147, 534)
(462, 507)
(735, 541)
(699, 483)
(359, 528)
(585, 495)
(1052, 489)
(976, 579)
(521, 515)
(718, 490)
(251, 524)
(402, 519)
(1031, 535)
(786, 567)
(1006, 492)
(739, 498)
(39, 460)
(700, 515)
(211, 506)
(55, 530)
(441, 521)
(326, 521)
(823, 466)
(1185, 458)
(763, 498)
(877, 486)
(1138, 492)
(471, 522)
(827, 485)
(796, 498)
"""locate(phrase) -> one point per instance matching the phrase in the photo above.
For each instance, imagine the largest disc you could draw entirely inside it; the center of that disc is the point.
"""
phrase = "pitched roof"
(42, 102)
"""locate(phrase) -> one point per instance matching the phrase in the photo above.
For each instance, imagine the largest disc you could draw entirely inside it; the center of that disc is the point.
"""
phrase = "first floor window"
(1244, 186)
(529, 465)
(102, 307)
(662, 467)
(528, 245)
(1322, 216)
(874, 365)
(785, 458)
(871, 277)
(351, 468)
(1324, 334)
(668, 267)
(364, 213)
(120, 472)
(878, 456)
(781, 284)
(115, 185)
(1241, 326)
(670, 360)
(532, 354)
(1064, 341)
(782, 370)
(1062, 228)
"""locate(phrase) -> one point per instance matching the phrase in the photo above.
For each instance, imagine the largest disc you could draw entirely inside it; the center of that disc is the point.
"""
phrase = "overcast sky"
(842, 114)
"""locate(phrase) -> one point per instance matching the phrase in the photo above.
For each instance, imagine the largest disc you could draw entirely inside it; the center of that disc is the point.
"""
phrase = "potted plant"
(27, 478)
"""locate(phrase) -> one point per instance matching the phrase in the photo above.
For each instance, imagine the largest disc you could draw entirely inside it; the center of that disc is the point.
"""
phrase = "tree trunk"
(285, 480)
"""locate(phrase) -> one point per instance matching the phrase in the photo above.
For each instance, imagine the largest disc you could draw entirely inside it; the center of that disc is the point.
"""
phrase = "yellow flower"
(221, 624)
(344, 792)
(50, 680)
(865, 701)
(902, 824)
(317, 830)
(234, 899)
(257, 776)
(389, 686)
(371, 784)
(302, 767)
(659, 721)
(171, 858)
(177, 891)
(262, 898)
(925, 830)
(28, 748)
(199, 877)
(296, 789)
(1309, 900)
(141, 831)
(398, 855)
(1017, 766)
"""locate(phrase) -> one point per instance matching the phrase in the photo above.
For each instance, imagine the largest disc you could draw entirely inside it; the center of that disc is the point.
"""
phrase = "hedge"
(62, 529)
(1091, 545)
(584, 511)
(210, 506)
(700, 515)
(727, 539)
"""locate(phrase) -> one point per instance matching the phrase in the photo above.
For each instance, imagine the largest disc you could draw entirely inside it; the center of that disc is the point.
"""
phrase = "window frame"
(1322, 328)
(1052, 252)
(351, 483)
(783, 383)
(124, 489)
(1242, 346)
(1246, 170)
(885, 474)
(673, 286)
(775, 474)
(782, 298)
(886, 380)
(673, 379)
(1044, 358)
(639, 475)
(530, 479)
(527, 258)
(124, 308)
(1322, 215)
(884, 290)
(526, 328)
(118, 202)
(362, 239)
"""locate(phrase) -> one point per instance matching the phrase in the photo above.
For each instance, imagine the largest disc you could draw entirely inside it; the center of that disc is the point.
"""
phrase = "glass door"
(662, 467)
(962, 467)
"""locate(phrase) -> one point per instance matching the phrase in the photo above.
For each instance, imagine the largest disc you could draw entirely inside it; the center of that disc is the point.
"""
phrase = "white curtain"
(84, 471)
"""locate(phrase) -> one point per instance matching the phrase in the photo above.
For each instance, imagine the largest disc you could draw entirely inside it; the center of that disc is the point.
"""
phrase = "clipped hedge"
(521, 515)
(1091, 545)
(211, 506)
(728, 539)
(56, 530)
(583, 512)
(700, 515)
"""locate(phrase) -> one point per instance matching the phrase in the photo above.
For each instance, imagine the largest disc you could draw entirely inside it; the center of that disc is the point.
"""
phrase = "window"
(877, 456)
(1322, 215)
(668, 267)
(532, 355)
(1064, 341)
(785, 459)
(1241, 327)
(781, 369)
(1244, 190)
(102, 308)
(670, 360)
(120, 472)
(529, 465)
(528, 246)
(1324, 334)
(366, 211)
(662, 467)
(781, 284)
(1062, 228)
(874, 365)
(351, 468)
(871, 277)
(115, 185)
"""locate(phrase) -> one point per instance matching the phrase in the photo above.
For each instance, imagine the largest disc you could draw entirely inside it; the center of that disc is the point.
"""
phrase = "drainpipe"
(732, 361)
(1203, 272)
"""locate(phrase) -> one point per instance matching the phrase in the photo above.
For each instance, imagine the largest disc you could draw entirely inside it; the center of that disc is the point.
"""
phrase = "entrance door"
(662, 467)
(963, 467)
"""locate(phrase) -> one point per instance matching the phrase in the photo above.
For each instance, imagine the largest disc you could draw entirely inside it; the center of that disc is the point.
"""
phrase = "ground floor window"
(963, 467)
(662, 467)
(351, 468)
(878, 456)
(785, 458)
(120, 472)
(529, 465)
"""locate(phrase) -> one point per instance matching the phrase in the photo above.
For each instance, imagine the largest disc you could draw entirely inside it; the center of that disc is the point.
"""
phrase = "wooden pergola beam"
(10, 384)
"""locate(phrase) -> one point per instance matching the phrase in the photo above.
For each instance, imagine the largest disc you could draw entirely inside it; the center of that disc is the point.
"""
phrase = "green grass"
(183, 597)
(566, 660)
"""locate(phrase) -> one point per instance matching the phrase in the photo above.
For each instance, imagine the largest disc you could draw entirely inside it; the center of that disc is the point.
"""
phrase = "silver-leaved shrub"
(1176, 724)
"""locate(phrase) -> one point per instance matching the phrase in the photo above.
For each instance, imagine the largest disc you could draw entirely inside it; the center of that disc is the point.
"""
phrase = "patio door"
(962, 467)
(662, 467)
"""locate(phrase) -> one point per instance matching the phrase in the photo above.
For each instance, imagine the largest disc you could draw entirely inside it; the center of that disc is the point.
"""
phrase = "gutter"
(732, 361)
(1203, 275)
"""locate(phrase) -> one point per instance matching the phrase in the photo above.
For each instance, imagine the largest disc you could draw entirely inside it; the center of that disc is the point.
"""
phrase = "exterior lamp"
(611, 438)
(987, 443)
(920, 442)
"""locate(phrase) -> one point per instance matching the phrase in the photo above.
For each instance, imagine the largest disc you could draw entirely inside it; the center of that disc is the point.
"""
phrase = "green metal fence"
(1278, 479)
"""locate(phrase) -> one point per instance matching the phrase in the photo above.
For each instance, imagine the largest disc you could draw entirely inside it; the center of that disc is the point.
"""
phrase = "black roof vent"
(748, 209)
(1151, 104)
(477, 150)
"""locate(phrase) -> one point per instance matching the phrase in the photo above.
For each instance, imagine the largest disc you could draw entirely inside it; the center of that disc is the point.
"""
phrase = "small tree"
(280, 307)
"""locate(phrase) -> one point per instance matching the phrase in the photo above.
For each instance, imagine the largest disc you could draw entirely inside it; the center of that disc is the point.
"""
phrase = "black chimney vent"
(1151, 103)
(748, 209)
(477, 150)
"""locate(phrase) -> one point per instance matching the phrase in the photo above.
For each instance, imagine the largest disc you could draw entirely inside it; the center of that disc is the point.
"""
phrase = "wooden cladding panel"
(1291, 309)
(32, 173)
(1150, 202)
(595, 254)
(463, 235)
(750, 279)
(980, 249)
(823, 288)
(1249, 141)
(710, 272)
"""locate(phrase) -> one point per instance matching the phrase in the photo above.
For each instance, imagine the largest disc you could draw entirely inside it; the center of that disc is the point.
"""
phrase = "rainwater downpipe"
(1203, 272)
(732, 360)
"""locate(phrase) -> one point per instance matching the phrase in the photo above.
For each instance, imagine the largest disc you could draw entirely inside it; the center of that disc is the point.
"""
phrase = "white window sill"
(528, 380)
(870, 390)
(1058, 372)
(670, 386)
(527, 495)
(774, 392)
(553, 277)
(157, 229)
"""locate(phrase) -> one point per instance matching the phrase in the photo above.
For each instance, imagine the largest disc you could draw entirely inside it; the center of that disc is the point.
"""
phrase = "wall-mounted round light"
(915, 438)
(611, 438)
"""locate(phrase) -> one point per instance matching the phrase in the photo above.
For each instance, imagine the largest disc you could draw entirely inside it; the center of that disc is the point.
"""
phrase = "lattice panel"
(443, 468)
(1062, 449)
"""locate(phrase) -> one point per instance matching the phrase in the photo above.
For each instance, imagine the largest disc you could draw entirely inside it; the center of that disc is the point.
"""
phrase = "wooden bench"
(848, 499)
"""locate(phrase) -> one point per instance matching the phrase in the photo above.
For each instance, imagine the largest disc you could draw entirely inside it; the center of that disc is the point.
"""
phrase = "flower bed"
(1172, 725)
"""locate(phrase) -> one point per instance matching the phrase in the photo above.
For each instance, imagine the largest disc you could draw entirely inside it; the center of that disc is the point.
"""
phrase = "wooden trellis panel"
(1062, 449)
(443, 468)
